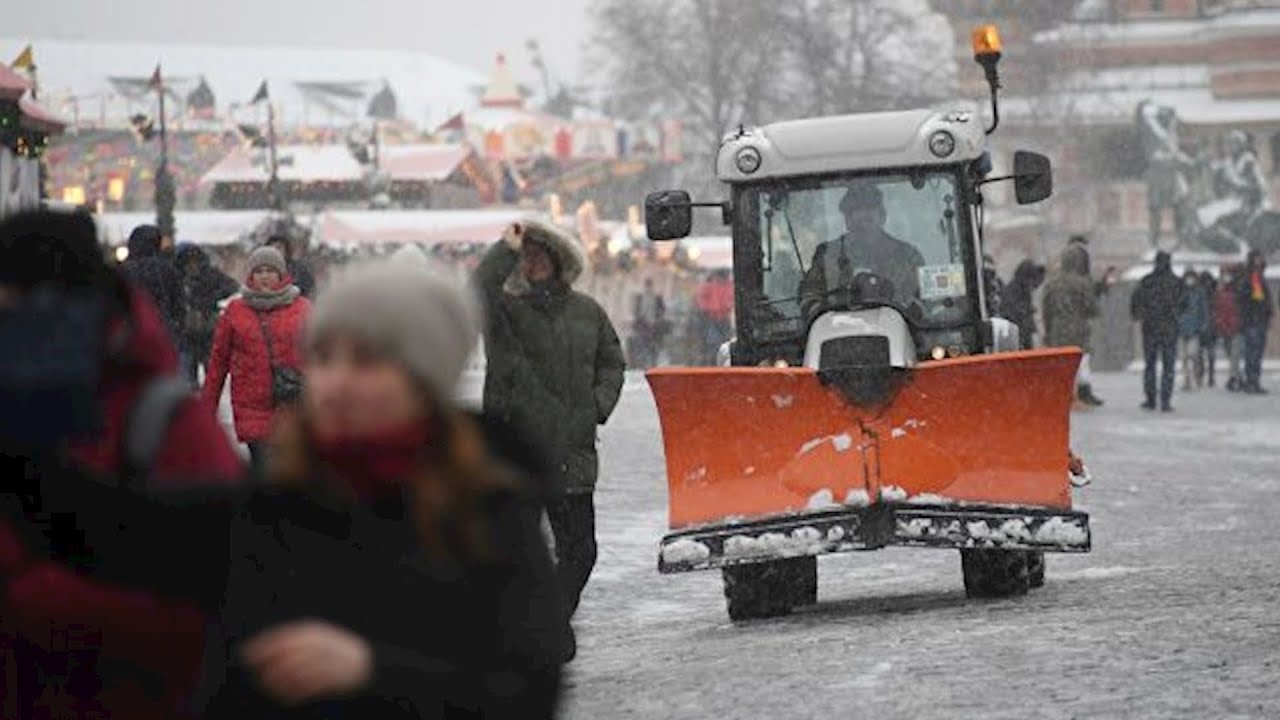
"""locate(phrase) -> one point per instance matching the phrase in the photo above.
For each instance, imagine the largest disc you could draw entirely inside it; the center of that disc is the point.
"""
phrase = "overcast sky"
(471, 32)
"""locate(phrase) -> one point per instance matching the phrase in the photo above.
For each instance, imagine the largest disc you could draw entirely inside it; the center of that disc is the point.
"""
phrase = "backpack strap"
(148, 424)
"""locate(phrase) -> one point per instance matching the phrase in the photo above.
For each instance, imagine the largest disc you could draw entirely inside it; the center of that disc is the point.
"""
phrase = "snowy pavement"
(1175, 614)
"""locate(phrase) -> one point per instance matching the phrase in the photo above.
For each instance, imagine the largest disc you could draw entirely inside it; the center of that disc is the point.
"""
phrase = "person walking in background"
(416, 583)
(1018, 304)
(1070, 305)
(148, 267)
(1208, 338)
(203, 287)
(1192, 321)
(297, 267)
(993, 287)
(1226, 321)
(1156, 304)
(76, 414)
(256, 343)
(1256, 309)
(714, 316)
(555, 371)
(648, 319)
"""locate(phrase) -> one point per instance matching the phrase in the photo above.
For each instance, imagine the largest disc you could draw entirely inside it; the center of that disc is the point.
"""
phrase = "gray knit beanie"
(269, 257)
(417, 314)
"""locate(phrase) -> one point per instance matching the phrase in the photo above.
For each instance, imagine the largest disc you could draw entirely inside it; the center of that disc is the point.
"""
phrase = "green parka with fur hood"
(555, 366)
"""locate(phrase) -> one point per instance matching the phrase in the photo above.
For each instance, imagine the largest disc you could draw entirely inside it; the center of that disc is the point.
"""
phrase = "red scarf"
(377, 465)
(1257, 291)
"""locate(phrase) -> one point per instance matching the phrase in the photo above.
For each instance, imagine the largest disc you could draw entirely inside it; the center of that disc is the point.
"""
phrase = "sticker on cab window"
(941, 281)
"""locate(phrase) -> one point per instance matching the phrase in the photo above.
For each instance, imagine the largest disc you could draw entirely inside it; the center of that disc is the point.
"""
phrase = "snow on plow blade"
(750, 444)
(822, 532)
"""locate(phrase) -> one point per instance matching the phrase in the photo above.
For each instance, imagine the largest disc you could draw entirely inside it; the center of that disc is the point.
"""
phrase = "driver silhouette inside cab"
(866, 261)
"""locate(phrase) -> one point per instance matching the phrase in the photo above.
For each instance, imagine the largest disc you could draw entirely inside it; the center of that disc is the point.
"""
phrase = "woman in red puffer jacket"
(261, 328)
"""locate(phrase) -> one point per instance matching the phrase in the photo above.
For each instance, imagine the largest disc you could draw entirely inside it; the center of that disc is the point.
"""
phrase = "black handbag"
(286, 382)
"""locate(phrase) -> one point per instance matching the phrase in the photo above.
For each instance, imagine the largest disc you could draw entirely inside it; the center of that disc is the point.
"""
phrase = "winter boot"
(1085, 394)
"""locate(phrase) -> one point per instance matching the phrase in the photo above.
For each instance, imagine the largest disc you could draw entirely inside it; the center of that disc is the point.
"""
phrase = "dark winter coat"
(1070, 303)
(451, 639)
(1193, 321)
(1018, 303)
(1254, 312)
(203, 287)
(1157, 302)
(300, 271)
(555, 365)
(240, 350)
(148, 268)
(83, 646)
(1226, 311)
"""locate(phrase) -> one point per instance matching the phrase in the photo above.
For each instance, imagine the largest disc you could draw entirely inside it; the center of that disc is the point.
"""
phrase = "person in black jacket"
(298, 268)
(1156, 304)
(1018, 303)
(203, 287)
(148, 268)
(1256, 307)
(406, 576)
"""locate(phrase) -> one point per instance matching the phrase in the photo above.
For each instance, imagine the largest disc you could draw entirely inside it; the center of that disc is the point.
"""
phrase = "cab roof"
(849, 143)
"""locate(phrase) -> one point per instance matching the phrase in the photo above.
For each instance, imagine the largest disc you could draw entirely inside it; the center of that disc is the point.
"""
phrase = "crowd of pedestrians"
(1186, 323)
(381, 556)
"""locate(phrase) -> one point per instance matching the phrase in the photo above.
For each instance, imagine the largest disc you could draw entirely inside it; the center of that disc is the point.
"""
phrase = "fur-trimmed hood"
(568, 255)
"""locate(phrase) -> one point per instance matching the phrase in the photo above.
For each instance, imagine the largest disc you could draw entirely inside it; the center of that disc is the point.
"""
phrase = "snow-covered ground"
(1176, 613)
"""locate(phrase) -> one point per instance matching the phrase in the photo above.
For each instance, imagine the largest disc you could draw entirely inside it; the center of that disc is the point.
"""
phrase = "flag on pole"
(156, 82)
(26, 60)
(261, 95)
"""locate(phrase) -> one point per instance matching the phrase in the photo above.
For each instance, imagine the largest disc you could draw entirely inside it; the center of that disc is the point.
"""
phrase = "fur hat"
(565, 251)
(417, 314)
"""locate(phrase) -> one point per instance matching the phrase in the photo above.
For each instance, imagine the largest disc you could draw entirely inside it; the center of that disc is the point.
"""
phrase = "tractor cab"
(867, 224)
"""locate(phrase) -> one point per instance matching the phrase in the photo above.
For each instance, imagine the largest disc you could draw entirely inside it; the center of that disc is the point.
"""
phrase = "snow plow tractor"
(870, 397)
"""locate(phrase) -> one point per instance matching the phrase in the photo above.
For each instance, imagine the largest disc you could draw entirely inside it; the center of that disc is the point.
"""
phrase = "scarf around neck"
(282, 296)
(1257, 291)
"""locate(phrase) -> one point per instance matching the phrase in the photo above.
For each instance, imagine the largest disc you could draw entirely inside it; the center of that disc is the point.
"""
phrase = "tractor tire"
(995, 573)
(1035, 568)
(770, 589)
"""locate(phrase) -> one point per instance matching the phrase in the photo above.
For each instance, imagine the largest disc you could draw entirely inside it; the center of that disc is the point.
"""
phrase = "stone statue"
(1221, 203)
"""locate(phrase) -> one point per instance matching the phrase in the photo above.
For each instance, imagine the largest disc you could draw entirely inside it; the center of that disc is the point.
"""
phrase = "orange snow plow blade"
(749, 443)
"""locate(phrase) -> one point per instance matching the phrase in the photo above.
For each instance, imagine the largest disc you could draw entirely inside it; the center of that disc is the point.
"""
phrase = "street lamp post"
(166, 195)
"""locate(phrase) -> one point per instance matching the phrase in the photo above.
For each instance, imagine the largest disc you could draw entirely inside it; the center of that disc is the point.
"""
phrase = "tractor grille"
(855, 351)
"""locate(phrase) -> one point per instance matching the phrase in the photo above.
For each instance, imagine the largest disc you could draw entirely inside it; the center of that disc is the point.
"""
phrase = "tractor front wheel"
(1035, 568)
(995, 573)
(770, 589)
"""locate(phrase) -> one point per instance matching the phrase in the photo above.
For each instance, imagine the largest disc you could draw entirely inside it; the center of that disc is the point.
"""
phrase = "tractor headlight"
(938, 352)
(942, 143)
(747, 160)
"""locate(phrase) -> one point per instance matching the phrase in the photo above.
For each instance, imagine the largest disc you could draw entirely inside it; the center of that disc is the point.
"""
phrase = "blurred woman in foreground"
(412, 581)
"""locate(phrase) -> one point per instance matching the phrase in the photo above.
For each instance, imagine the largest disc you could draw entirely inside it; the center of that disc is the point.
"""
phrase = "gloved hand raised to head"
(513, 236)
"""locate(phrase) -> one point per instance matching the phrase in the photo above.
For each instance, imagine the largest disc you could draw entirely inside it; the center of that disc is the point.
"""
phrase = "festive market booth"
(316, 174)
(25, 127)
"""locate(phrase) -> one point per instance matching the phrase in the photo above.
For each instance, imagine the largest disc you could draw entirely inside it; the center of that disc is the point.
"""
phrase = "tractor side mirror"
(1032, 177)
(668, 215)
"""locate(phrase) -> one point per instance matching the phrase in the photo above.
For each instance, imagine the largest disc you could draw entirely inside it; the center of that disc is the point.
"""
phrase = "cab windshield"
(888, 239)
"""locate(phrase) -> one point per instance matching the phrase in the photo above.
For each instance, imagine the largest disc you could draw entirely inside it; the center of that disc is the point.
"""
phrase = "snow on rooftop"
(302, 163)
(428, 163)
(423, 227)
(1133, 32)
(1195, 106)
(203, 227)
(428, 89)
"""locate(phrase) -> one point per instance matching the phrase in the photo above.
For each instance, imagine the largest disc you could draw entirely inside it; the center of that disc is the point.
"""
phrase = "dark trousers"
(573, 522)
(1165, 349)
(1255, 341)
(257, 458)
